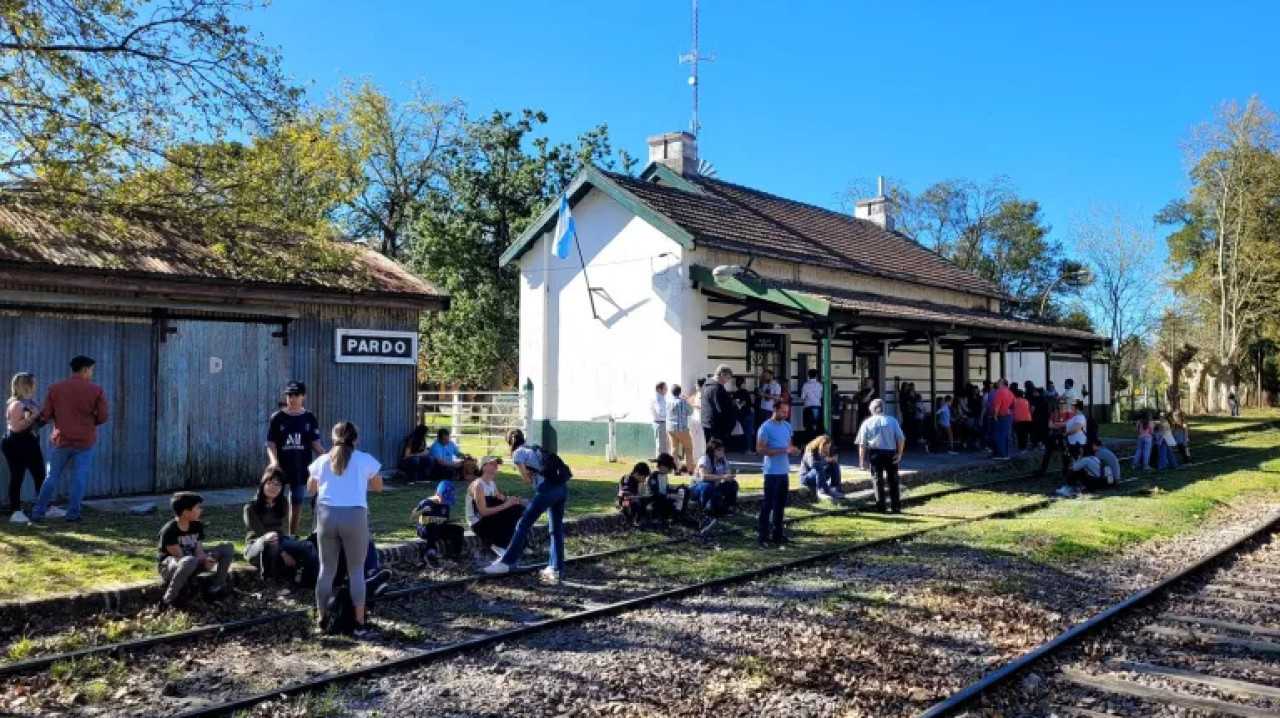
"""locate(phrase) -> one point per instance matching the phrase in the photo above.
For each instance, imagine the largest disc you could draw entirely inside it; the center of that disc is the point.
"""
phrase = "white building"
(683, 272)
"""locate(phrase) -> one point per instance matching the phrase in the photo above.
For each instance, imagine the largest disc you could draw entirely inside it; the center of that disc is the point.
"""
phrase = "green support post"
(826, 380)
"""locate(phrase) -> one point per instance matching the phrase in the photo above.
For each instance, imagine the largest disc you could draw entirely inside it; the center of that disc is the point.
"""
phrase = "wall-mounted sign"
(760, 342)
(372, 346)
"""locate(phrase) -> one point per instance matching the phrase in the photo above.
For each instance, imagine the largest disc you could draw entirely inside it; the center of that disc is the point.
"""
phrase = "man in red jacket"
(1002, 410)
(76, 407)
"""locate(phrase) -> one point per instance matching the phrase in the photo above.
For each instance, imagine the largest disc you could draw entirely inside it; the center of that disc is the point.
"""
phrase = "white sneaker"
(826, 496)
(19, 518)
(497, 568)
(1065, 492)
(55, 513)
(499, 551)
(549, 575)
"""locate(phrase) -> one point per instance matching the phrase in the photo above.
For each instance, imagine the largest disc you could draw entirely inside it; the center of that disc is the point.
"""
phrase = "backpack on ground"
(340, 618)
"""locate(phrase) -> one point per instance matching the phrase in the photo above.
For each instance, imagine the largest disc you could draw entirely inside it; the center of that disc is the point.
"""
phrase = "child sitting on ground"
(433, 527)
(182, 553)
(633, 504)
(667, 500)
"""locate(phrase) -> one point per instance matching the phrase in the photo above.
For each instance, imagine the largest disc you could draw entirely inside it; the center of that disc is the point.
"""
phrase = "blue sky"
(1077, 102)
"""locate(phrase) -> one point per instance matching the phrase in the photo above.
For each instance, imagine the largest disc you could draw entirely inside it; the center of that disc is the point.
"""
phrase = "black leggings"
(497, 529)
(22, 452)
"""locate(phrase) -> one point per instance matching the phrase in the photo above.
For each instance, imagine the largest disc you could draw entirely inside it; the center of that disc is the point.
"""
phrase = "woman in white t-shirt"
(1077, 431)
(340, 481)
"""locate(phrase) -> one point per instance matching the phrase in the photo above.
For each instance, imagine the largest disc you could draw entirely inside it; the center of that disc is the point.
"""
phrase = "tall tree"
(402, 147)
(1176, 348)
(498, 177)
(1226, 238)
(91, 88)
(1127, 291)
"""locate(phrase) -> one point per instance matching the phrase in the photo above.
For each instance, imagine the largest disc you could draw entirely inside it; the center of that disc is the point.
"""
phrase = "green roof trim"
(586, 180)
(669, 176)
(755, 288)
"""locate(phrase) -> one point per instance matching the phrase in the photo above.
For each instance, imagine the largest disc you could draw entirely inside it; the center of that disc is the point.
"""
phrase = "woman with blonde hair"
(21, 444)
(340, 481)
(820, 469)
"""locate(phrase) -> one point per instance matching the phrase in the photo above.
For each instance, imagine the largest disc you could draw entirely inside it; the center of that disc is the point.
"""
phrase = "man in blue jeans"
(773, 442)
(549, 496)
(76, 407)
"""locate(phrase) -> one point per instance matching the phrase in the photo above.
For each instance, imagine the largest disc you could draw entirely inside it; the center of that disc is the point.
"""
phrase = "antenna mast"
(692, 59)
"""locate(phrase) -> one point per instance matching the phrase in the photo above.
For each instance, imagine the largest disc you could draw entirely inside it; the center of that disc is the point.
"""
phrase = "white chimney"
(878, 209)
(676, 150)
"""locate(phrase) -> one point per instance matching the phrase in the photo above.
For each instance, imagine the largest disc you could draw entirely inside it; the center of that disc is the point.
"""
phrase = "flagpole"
(590, 295)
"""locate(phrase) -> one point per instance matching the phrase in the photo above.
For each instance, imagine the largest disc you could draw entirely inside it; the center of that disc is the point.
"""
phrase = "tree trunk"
(1198, 402)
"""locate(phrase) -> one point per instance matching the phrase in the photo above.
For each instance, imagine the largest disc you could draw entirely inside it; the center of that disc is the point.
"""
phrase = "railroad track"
(454, 648)
(521, 625)
(855, 504)
(1205, 640)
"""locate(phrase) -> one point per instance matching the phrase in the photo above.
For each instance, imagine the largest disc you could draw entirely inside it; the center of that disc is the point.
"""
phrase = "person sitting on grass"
(667, 501)
(433, 527)
(1096, 471)
(446, 457)
(634, 502)
(491, 515)
(715, 485)
(182, 553)
(820, 470)
(268, 545)
(415, 461)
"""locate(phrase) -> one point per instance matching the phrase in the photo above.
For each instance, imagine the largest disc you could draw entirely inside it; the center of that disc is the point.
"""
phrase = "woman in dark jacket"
(267, 544)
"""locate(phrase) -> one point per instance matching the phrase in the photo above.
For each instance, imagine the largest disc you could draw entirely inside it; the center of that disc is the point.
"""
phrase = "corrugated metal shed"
(379, 399)
(44, 345)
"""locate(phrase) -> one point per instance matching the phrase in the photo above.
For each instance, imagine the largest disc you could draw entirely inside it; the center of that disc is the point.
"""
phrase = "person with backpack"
(550, 479)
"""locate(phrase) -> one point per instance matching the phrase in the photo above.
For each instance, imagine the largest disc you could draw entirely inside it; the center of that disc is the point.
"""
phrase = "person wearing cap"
(491, 515)
(881, 437)
(76, 407)
(293, 440)
(433, 527)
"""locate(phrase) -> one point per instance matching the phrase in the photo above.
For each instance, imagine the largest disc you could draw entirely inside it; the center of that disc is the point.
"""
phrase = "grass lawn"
(110, 549)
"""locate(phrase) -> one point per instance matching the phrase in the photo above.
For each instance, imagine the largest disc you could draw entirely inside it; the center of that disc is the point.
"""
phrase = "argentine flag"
(565, 231)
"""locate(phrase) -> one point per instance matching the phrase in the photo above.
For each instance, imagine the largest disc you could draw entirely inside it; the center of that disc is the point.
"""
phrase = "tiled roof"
(736, 218)
(37, 235)
(876, 306)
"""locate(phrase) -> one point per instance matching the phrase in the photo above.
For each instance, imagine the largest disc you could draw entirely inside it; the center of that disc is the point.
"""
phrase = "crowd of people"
(691, 437)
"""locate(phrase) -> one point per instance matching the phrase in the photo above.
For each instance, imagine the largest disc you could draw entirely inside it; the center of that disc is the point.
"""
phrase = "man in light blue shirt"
(880, 436)
(446, 457)
(773, 442)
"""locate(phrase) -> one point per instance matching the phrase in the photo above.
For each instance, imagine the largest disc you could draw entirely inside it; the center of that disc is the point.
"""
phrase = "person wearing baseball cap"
(293, 434)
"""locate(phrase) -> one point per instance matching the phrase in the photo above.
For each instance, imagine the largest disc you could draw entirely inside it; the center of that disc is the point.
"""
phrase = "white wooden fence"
(478, 420)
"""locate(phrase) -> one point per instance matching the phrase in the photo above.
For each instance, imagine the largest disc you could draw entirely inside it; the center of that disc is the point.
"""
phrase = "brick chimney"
(878, 209)
(676, 150)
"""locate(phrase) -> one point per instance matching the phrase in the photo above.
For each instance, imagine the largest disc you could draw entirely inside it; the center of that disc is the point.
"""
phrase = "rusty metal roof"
(42, 236)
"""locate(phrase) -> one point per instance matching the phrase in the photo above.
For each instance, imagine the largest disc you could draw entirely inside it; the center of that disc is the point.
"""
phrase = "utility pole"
(693, 59)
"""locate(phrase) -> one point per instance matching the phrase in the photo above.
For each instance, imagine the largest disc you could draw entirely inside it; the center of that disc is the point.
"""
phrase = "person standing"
(293, 433)
(1002, 412)
(718, 412)
(1022, 418)
(695, 419)
(1069, 392)
(866, 395)
(881, 438)
(550, 479)
(773, 442)
(341, 480)
(21, 444)
(811, 395)
(76, 407)
(658, 408)
(746, 413)
(770, 391)
(1233, 403)
(678, 413)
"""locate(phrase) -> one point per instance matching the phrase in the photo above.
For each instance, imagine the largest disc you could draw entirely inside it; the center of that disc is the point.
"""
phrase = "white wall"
(1030, 365)
(592, 367)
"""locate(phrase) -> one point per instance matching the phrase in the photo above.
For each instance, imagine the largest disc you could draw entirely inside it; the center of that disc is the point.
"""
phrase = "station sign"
(759, 342)
(372, 346)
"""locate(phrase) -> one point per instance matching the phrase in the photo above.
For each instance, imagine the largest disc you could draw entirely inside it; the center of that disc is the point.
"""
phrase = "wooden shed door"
(218, 383)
